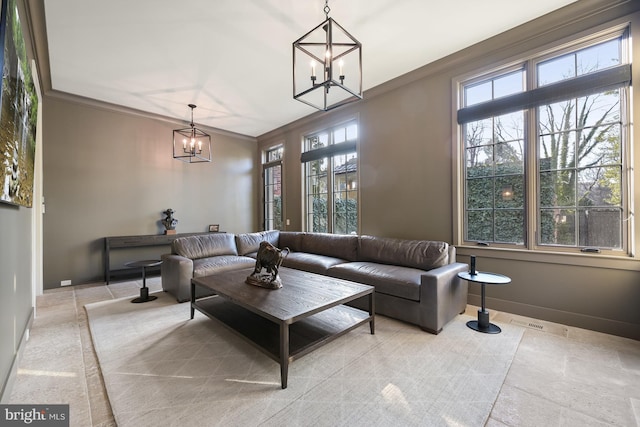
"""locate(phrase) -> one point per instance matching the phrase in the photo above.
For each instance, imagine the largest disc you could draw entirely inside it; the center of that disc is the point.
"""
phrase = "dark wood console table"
(122, 242)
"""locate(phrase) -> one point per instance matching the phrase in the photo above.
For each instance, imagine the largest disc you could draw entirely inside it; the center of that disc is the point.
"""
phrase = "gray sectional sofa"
(415, 280)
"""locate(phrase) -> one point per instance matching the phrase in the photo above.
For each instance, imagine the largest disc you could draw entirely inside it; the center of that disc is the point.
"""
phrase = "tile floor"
(560, 376)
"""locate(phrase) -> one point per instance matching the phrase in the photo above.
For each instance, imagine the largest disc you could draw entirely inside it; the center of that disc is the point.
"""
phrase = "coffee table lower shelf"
(285, 342)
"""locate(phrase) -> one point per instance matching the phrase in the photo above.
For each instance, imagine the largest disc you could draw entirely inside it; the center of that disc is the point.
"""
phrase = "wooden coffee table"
(286, 323)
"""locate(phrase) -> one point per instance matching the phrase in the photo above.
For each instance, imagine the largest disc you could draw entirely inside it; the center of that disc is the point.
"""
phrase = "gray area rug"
(162, 369)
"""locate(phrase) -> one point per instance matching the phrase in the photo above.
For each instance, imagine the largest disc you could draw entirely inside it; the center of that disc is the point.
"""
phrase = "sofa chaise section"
(416, 280)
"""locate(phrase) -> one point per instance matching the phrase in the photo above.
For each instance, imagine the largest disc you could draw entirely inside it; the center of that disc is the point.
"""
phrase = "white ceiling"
(233, 58)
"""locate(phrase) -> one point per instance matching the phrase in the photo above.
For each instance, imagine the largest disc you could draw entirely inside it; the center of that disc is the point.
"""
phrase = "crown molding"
(115, 108)
(38, 43)
(540, 31)
(34, 12)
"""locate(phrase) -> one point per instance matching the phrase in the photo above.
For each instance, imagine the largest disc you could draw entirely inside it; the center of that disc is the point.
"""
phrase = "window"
(331, 180)
(272, 196)
(494, 153)
(545, 149)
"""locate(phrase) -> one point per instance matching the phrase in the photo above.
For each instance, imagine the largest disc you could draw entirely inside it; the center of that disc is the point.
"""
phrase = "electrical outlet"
(65, 283)
(288, 221)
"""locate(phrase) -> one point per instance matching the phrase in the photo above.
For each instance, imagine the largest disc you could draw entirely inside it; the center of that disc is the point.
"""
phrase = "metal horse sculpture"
(269, 259)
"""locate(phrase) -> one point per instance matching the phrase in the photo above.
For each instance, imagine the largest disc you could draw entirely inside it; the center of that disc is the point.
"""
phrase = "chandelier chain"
(327, 9)
(192, 106)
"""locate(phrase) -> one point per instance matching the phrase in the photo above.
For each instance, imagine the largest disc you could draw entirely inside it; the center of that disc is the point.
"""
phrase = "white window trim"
(266, 165)
(303, 188)
(622, 260)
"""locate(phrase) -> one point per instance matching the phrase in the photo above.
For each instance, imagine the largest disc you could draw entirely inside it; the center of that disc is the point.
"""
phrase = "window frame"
(328, 152)
(529, 62)
(266, 165)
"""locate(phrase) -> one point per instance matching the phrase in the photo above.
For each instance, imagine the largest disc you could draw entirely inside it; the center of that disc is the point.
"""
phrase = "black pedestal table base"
(483, 324)
(144, 291)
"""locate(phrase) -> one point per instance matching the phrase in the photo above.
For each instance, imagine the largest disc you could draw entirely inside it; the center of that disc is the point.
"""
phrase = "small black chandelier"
(327, 66)
(191, 144)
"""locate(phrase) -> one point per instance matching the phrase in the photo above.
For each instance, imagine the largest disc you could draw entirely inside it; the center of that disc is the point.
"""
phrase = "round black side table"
(144, 291)
(483, 324)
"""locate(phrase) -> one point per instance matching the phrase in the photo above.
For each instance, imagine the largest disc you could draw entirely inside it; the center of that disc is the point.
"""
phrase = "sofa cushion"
(343, 246)
(208, 266)
(402, 282)
(421, 254)
(204, 246)
(310, 262)
(291, 240)
(249, 243)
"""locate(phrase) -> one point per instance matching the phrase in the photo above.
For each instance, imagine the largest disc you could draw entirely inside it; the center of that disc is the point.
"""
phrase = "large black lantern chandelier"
(191, 144)
(327, 66)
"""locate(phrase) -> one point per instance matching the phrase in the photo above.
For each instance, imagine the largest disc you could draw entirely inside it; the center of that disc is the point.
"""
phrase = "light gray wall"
(15, 283)
(111, 173)
(406, 172)
(16, 280)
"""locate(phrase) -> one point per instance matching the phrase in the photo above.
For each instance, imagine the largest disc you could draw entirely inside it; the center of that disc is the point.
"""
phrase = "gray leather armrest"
(443, 295)
(176, 272)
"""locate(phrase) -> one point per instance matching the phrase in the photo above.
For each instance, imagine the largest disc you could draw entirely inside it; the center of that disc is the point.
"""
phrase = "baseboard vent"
(528, 324)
